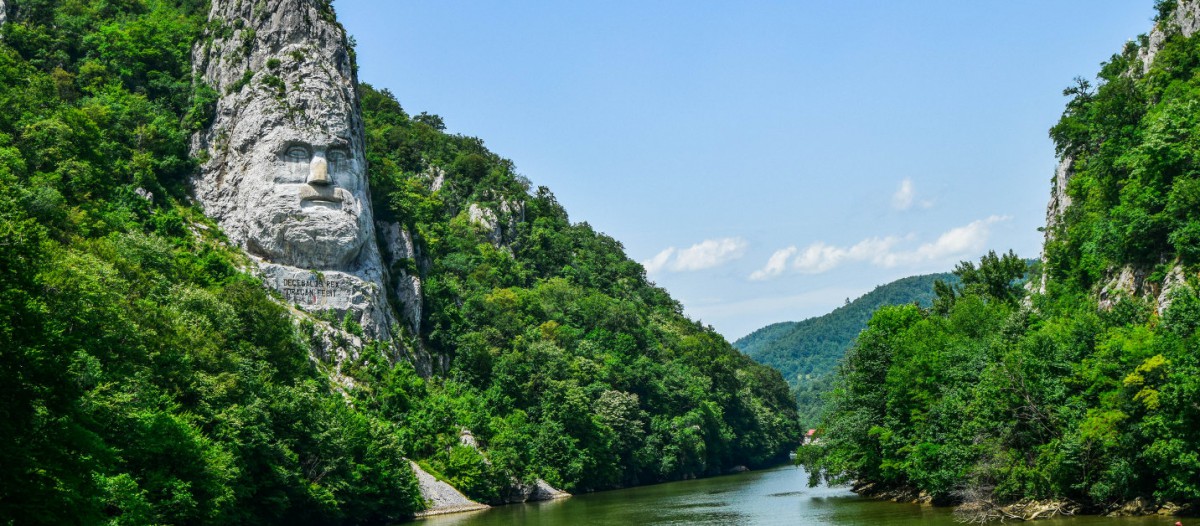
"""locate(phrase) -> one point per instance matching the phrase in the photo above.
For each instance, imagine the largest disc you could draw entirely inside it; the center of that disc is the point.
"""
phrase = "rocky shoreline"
(441, 498)
(982, 510)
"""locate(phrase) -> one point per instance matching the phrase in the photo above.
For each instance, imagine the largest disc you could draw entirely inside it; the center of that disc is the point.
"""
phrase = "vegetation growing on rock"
(563, 360)
(990, 399)
(148, 378)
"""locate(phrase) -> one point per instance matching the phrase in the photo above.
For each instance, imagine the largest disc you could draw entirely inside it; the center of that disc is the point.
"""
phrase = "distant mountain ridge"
(814, 346)
(807, 351)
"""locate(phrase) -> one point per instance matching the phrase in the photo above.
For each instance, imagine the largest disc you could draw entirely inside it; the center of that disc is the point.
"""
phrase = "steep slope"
(158, 366)
(562, 359)
(1081, 395)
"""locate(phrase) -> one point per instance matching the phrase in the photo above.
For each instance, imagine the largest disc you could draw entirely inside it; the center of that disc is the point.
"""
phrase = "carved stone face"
(304, 194)
(285, 174)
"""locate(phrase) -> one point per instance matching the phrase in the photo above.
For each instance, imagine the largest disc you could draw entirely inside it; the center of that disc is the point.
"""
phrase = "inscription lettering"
(314, 290)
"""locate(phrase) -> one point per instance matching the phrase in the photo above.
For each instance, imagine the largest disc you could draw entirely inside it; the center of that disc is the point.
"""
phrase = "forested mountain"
(814, 346)
(564, 360)
(1085, 391)
(148, 376)
(806, 352)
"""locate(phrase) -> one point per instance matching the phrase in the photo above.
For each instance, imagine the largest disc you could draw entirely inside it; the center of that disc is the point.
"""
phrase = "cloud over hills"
(885, 252)
(703, 255)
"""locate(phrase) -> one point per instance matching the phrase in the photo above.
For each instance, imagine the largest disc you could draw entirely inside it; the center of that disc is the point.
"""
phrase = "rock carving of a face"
(305, 194)
(286, 173)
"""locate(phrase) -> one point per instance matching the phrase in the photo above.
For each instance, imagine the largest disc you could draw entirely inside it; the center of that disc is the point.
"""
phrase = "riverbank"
(980, 509)
(441, 498)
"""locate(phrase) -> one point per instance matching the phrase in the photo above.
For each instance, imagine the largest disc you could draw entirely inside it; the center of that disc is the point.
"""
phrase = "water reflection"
(777, 496)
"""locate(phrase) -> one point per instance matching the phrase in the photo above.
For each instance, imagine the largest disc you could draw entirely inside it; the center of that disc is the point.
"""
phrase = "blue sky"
(765, 160)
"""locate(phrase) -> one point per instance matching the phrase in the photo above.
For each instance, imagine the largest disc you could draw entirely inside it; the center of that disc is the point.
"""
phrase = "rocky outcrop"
(467, 438)
(1133, 281)
(538, 491)
(3, 13)
(1140, 506)
(1056, 208)
(284, 171)
(440, 497)
(500, 225)
(1185, 20)
(1129, 280)
(283, 166)
(401, 256)
(437, 178)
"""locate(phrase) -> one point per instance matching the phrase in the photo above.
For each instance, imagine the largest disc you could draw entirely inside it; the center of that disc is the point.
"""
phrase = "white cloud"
(820, 257)
(775, 265)
(903, 198)
(657, 262)
(703, 255)
(954, 242)
(881, 251)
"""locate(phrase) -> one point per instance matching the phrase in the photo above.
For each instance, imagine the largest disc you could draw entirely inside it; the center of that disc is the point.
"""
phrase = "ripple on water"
(697, 505)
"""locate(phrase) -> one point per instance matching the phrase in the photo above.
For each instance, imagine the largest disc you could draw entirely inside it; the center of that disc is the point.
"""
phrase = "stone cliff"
(284, 169)
(1128, 280)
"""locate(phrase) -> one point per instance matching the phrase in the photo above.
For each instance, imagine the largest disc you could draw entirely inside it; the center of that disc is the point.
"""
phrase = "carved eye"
(297, 154)
(338, 160)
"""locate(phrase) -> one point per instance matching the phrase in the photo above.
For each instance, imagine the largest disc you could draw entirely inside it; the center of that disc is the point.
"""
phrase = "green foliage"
(807, 352)
(565, 362)
(983, 397)
(993, 400)
(1133, 143)
(145, 380)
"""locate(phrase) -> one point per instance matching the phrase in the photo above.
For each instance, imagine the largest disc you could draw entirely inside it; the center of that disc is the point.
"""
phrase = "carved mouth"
(322, 194)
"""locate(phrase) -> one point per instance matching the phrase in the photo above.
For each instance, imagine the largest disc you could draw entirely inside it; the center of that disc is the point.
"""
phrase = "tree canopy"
(995, 395)
(147, 378)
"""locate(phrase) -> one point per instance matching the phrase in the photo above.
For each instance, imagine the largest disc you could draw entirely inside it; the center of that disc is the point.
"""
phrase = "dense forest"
(1084, 393)
(566, 361)
(147, 377)
(807, 352)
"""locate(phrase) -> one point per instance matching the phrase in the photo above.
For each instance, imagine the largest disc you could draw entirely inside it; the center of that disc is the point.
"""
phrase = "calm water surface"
(777, 496)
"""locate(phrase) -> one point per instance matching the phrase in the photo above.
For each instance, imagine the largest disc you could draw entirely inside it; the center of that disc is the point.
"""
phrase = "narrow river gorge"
(776, 496)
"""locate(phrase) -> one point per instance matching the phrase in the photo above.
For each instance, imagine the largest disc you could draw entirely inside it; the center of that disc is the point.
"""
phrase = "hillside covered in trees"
(807, 352)
(149, 377)
(1084, 391)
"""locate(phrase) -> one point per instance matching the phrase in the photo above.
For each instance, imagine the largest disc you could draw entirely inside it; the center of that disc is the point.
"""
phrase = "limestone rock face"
(1186, 20)
(3, 13)
(400, 254)
(501, 224)
(1059, 201)
(437, 178)
(284, 171)
(1131, 281)
(538, 491)
(1127, 281)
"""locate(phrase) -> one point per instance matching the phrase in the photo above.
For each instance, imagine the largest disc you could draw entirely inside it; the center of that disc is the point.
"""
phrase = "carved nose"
(318, 173)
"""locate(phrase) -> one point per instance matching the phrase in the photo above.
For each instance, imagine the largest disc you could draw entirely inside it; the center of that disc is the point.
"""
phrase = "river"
(776, 496)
